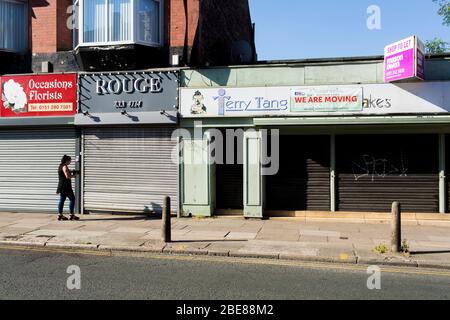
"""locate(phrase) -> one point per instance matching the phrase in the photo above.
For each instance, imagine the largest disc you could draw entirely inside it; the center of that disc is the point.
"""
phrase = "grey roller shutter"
(129, 169)
(29, 162)
(303, 179)
(375, 170)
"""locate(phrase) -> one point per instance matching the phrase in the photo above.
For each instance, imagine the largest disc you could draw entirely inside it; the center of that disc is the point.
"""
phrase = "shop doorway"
(302, 181)
(230, 176)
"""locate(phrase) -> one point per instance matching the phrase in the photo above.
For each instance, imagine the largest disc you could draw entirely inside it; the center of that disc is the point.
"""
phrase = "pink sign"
(403, 60)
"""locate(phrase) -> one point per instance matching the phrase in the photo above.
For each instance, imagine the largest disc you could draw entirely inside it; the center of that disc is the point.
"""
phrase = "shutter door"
(29, 162)
(230, 178)
(375, 170)
(129, 169)
(230, 186)
(303, 179)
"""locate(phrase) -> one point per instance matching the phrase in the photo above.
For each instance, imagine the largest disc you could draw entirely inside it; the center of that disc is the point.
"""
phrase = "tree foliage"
(444, 10)
(436, 45)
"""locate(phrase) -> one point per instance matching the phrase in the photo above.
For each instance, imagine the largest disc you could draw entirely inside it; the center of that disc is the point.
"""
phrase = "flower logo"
(14, 97)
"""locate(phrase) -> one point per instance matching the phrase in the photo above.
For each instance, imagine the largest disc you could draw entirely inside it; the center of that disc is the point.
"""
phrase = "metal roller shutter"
(303, 180)
(375, 170)
(29, 160)
(230, 186)
(129, 169)
(230, 178)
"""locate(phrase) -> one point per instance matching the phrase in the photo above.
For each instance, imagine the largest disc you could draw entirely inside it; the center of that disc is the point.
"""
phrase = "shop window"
(109, 22)
(13, 25)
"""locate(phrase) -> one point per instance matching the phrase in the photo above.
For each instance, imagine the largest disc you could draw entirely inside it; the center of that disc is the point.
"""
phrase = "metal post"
(166, 234)
(396, 232)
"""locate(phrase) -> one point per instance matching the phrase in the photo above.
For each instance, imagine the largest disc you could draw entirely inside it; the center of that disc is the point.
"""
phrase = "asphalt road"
(34, 274)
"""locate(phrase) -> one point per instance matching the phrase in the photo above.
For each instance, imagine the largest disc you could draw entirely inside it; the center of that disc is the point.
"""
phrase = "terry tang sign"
(38, 95)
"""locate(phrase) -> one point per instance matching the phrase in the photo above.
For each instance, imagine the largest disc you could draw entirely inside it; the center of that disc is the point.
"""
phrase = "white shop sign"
(401, 98)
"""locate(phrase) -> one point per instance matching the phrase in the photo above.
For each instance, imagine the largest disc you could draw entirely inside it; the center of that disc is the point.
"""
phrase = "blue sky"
(299, 29)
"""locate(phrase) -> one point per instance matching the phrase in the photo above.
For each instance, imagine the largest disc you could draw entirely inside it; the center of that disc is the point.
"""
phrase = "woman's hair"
(65, 158)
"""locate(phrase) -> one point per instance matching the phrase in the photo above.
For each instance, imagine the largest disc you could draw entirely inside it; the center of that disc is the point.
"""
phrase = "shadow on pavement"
(429, 252)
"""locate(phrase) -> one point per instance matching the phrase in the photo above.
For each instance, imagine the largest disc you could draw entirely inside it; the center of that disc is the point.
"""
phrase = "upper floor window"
(105, 22)
(13, 25)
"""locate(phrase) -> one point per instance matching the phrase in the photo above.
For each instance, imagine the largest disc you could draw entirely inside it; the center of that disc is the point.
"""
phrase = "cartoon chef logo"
(13, 96)
(198, 107)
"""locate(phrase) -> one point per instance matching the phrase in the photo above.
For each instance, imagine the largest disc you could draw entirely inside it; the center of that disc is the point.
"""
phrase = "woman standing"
(65, 188)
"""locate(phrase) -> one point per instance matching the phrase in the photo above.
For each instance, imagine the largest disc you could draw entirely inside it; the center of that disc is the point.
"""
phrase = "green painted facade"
(198, 177)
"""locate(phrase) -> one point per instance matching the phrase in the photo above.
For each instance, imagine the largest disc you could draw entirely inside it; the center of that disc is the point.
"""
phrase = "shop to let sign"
(404, 59)
(38, 95)
(323, 99)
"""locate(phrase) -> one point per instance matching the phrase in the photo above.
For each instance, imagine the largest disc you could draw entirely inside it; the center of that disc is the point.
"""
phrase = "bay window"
(13, 25)
(109, 22)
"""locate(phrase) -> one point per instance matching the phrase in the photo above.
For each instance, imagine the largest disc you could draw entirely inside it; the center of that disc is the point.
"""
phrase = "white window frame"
(134, 28)
(25, 30)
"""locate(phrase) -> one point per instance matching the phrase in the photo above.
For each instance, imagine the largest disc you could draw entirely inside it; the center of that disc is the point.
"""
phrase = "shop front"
(36, 130)
(347, 148)
(127, 121)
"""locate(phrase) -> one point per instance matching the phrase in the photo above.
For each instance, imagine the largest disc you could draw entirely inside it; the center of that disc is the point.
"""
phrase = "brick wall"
(212, 30)
(64, 34)
(49, 32)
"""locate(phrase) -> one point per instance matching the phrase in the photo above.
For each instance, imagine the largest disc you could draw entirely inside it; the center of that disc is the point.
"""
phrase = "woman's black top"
(64, 184)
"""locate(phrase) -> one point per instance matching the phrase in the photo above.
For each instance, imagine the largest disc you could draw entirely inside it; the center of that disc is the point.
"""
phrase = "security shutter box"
(29, 160)
(376, 170)
(129, 169)
(303, 179)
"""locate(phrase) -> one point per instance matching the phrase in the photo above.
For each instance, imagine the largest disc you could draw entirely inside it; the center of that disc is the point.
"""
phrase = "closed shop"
(29, 160)
(302, 182)
(129, 169)
(36, 130)
(375, 170)
(127, 122)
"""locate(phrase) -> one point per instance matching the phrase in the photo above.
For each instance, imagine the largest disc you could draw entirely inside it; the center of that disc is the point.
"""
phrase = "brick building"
(99, 35)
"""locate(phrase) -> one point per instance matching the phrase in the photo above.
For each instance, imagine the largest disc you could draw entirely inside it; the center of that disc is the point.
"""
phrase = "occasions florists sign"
(38, 95)
(404, 59)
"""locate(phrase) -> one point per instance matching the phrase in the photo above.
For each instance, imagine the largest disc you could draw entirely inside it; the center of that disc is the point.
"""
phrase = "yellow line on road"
(216, 259)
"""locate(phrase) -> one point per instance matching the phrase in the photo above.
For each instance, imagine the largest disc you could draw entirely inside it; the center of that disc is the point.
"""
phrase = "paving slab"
(223, 248)
(117, 239)
(318, 239)
(6, 223)
(130, 230)
(439, 239)
(241, 235)
(155, 234)
(320, 233)
(281, 237)
(187, 248)
(33, 239)
(67, 233)
(16, 231)
(64, 225)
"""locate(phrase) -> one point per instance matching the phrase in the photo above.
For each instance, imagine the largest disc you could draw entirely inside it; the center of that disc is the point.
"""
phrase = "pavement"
(283, 239)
